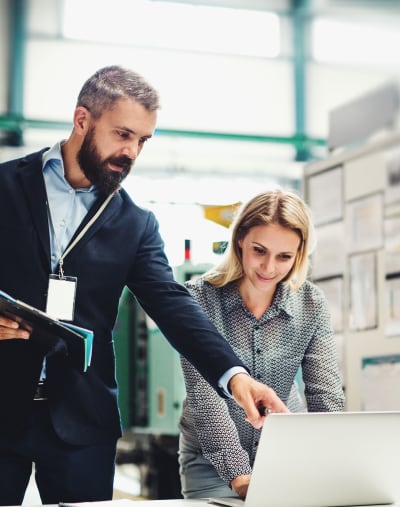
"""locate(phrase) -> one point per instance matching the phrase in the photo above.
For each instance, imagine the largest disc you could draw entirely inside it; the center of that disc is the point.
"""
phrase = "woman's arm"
(321, 375)
(214, 427)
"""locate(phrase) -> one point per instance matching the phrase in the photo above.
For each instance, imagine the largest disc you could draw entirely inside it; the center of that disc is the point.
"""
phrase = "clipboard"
(78, 340)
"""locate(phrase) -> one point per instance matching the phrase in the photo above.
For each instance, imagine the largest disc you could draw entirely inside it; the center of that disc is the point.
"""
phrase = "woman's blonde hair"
(276, 206)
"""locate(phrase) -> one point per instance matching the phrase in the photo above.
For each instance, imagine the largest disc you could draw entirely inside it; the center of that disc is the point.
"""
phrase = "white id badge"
(61, 297)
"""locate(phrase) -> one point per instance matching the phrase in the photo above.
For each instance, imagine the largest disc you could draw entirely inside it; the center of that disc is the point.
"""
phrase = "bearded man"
(65, 219)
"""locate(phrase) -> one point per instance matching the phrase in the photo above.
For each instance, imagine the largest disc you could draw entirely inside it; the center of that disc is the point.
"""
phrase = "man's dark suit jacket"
(122, 248)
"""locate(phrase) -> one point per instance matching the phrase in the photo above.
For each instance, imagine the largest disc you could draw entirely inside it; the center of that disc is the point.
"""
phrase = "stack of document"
(78, 340)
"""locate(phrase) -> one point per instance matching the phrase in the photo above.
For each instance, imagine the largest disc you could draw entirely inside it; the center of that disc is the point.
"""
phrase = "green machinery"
(151, 392)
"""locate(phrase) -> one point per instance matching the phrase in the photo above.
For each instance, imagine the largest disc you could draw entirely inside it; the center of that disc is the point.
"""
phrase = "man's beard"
(96, 170)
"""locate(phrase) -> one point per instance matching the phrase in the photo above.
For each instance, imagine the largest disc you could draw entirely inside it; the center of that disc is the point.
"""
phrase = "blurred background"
(249, 94)
(246, 88)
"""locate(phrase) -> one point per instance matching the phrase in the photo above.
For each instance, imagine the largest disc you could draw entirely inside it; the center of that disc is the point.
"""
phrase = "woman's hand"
(240, 484)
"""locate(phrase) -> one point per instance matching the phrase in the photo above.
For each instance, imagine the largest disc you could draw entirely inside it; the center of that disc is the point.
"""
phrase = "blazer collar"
(32, 182)
(106, 215)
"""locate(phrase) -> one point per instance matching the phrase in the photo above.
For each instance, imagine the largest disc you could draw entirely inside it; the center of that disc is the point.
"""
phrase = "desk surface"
(155, 503)
(161, 503)
(134, 503)
(170, 503)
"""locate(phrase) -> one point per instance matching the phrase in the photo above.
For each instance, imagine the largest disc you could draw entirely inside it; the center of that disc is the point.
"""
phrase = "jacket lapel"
(32, 182)
(108, 212)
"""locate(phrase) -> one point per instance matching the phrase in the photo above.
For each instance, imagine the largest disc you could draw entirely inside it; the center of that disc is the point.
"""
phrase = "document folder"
(78, 340)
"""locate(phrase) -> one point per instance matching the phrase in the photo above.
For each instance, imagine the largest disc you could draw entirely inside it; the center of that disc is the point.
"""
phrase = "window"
(170, 25)
(336, 41)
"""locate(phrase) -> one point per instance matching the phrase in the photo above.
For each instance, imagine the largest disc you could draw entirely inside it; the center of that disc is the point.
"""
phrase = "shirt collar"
(282, 299)
(54, 153)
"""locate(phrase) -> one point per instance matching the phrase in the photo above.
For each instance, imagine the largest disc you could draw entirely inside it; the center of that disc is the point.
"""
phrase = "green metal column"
(17, 23)
(300, 51)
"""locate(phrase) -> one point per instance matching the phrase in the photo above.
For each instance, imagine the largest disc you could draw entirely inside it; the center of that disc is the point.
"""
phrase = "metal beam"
(17, 43)
(300, 142)
(300, 9)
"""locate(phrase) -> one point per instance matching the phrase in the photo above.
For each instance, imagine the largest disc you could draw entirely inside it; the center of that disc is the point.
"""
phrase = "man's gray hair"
(112, 83)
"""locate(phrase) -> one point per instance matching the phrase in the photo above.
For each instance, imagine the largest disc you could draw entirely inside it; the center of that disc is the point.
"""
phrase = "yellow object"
(222, 214)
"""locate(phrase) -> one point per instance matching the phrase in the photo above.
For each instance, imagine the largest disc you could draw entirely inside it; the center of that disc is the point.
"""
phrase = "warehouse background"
(247, 90)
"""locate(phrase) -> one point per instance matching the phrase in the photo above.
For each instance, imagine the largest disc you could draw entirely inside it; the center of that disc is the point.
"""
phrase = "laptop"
(328, 459)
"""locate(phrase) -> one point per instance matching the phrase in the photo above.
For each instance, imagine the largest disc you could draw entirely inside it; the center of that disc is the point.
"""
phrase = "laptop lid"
(327, 459)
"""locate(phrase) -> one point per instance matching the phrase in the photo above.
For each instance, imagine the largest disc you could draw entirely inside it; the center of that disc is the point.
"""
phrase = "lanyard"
(79, 236)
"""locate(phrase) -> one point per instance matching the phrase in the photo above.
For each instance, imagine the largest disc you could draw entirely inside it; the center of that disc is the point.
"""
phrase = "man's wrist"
(224, 381)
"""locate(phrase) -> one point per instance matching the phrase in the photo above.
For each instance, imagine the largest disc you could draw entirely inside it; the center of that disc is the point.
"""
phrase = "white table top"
(137, 503)
(154, 503)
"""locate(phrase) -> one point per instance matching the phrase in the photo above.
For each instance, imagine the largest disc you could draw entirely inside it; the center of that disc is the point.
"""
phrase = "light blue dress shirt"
(68, 206)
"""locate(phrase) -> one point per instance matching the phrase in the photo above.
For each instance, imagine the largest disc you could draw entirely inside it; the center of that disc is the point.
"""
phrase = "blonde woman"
(277, 322)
